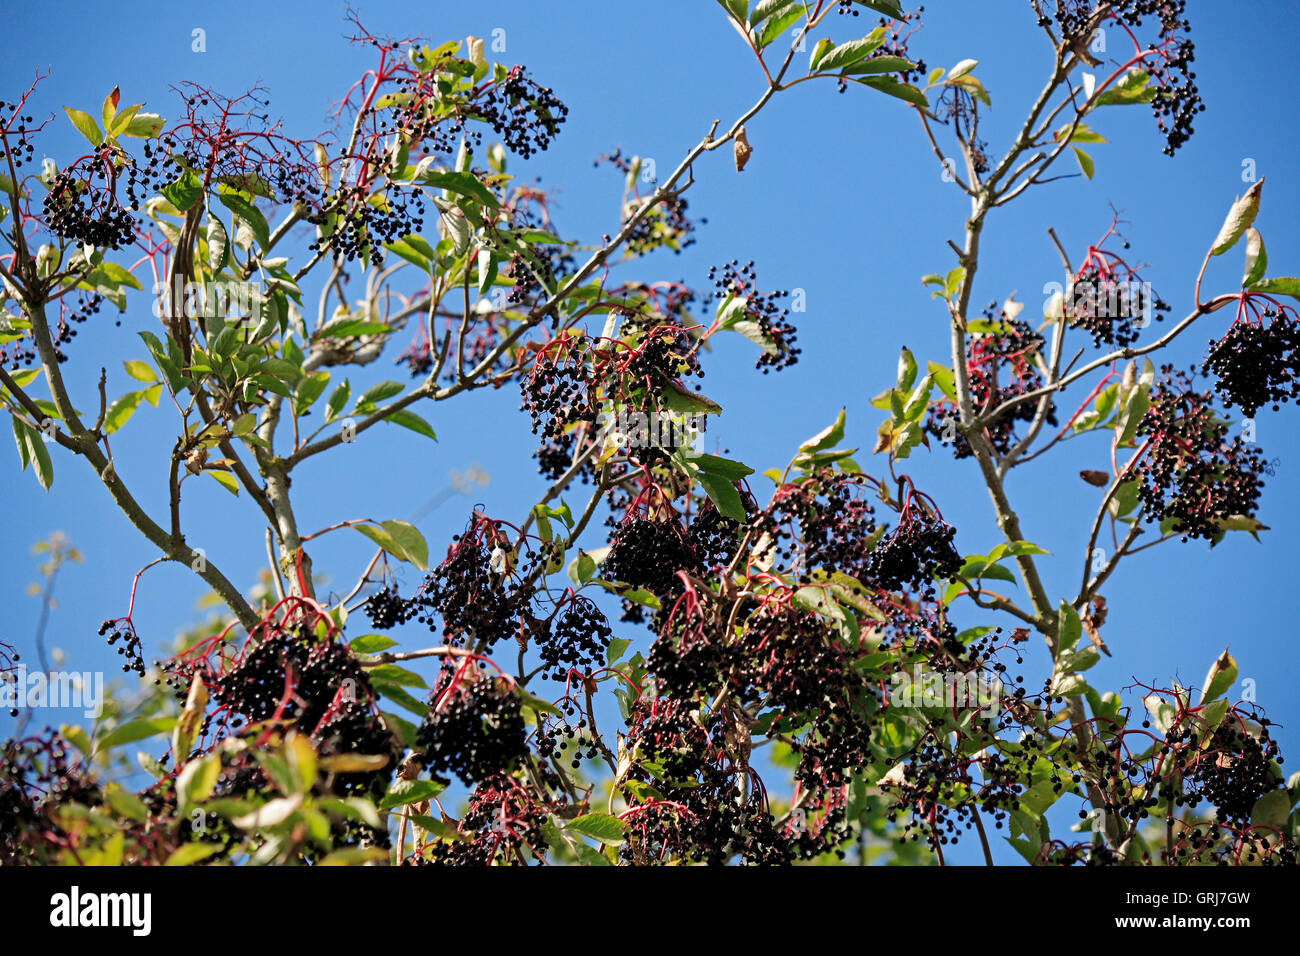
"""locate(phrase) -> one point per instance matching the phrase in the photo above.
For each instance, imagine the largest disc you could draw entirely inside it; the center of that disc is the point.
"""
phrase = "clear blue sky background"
(842, 198)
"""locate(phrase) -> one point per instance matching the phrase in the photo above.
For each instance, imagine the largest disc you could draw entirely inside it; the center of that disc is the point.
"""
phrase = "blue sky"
(841, 198)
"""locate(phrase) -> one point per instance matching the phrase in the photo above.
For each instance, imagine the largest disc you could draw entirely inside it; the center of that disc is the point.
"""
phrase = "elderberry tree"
(729, 669)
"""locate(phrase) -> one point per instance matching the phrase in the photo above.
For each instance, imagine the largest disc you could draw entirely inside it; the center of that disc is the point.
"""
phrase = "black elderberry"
(474, 728)
(1257, 364)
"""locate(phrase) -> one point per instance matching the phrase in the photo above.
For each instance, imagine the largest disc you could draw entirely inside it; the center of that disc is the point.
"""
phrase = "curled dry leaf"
(742, 149)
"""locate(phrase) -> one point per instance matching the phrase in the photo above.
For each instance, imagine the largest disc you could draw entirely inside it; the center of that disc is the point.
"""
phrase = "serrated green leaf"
(85, 125)
(602, 827)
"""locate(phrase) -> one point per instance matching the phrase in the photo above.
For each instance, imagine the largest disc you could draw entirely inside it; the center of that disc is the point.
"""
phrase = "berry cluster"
(769, 321)
(123, 630)
(819, 522)
(501, 821)
(474, 728)
(1012, 349)
(666, 225)
(1257, 364)
(714, 538)
(353, 226)
(302, 678)
(1235, 770)
(524, 113)
(1191, 476)
(916, 552)
(557, 736)
(1177, 99)
(15, 135)
(469, 591)
(386, 609)
(576, 639)
(558, 393)
(82, 211)
(691, 652)
(36, 775)
(899, 32)
(710, 809)
(790, 656)
(648, 553)
(1107, 304)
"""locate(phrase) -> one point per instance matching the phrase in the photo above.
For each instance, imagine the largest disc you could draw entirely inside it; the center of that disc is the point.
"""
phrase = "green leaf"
(1131, 89)
(140, 371)
(724, 496)
(1125, 498)
(679, 399)
(247, 213)
(409, 419)
(31, 449)
(184, 192)
(851, 52)
(1239, 218)
(411, 255)
(112, 275)
(765, 8)
(400, 539)
(973, 86)
(906, 369)
(197, 779)
(403, 792)
(617, 648)
(85, 125)
(1085, 161)
(1271, 810)
(371, 643)
(126, 804)
(1162, 712)
(218, 245)
(144, 125)
(978, 567)
(878, 64)
(582, 568)
(819, 51)
(338, 398)
(1281, 285)
(828, 436)
(735, 8)
(643, 597)
(962, 68)
(135, 730)
(1069, 628)
(599, 826)
(187, 854)
(890, 8)
(903, 91)
(1220, 677)
(411, 541)
(777, 25)
(1131, 415)
(1256, 258)
(399, 696)
(346, 328)
(225, 479)
(462, 183)
(309, 389)
(121, 410)
(722, 467)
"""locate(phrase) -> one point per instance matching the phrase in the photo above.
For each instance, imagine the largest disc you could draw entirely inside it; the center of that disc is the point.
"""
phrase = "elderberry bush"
(818, 672)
